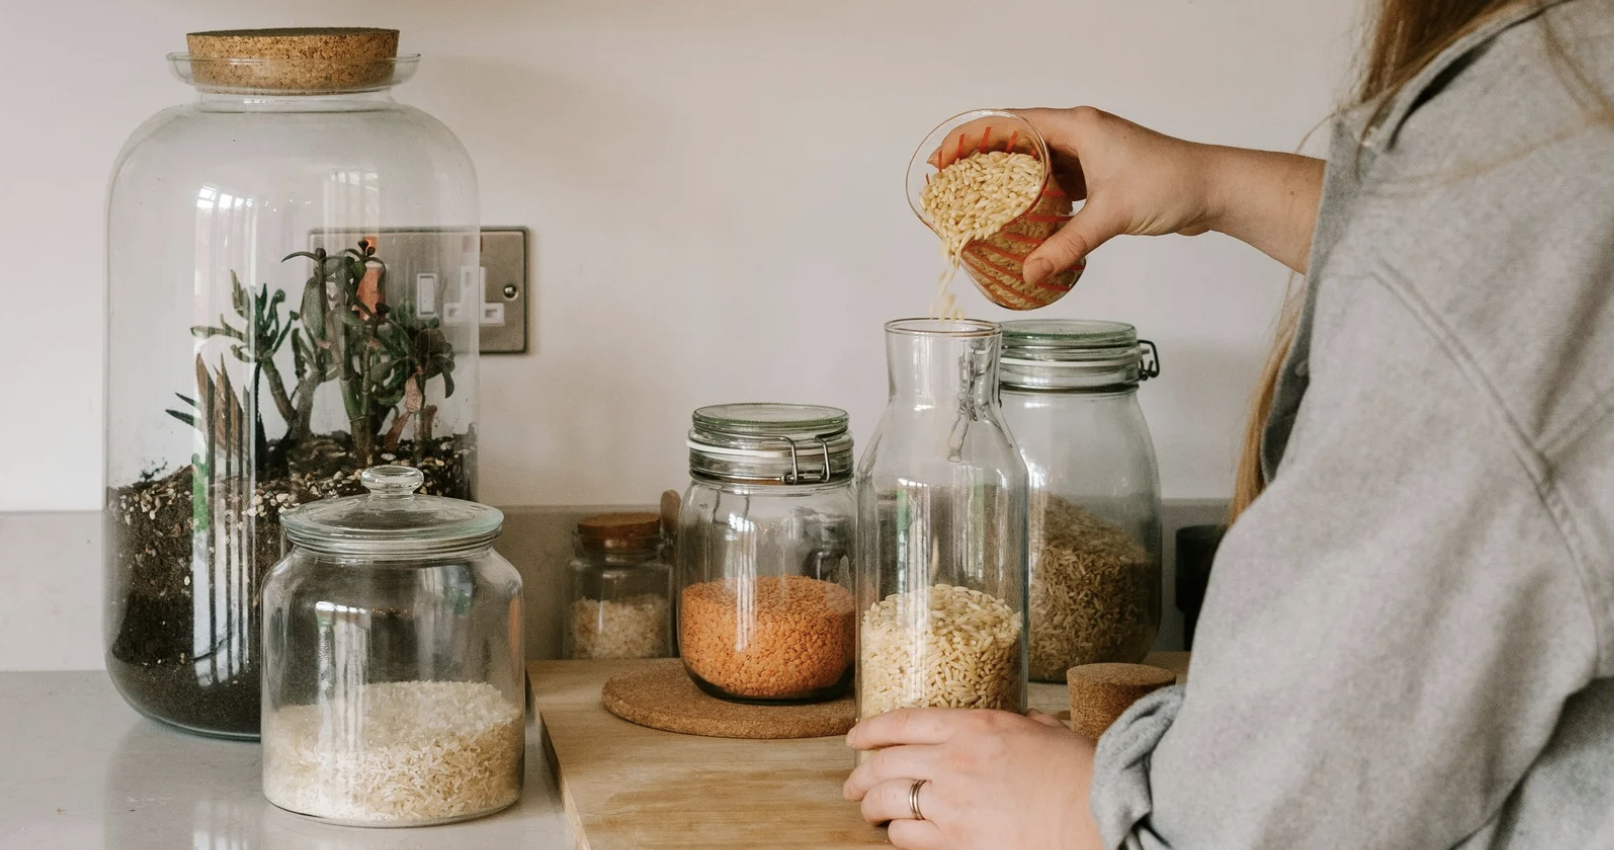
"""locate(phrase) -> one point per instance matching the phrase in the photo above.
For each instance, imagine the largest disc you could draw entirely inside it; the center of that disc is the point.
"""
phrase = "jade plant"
(381, 356)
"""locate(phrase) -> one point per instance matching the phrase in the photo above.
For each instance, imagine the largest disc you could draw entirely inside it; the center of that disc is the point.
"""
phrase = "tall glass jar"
(617, 590)
(942, 513)
(394, 690)
(1069, 392)
(765, 548)
(285, 257)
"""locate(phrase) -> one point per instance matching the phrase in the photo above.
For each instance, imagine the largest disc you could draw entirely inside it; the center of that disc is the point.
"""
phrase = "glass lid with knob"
(392, 519)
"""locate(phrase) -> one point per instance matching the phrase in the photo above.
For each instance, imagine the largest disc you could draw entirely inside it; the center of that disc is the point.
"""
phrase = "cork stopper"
(1101, 693)
(292, 60)
(619, 531)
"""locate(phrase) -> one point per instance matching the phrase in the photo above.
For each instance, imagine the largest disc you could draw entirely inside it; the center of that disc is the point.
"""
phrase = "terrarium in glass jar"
(765, 549)
(941, 495)
(393, 683)
(617, 590)
(1069, 394)
(292, 273)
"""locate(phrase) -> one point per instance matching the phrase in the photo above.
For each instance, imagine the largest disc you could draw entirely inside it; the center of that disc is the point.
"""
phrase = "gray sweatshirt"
(1408, 641)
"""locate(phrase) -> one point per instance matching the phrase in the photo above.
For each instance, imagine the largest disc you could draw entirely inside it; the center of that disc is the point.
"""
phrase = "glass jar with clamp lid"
(764, 553)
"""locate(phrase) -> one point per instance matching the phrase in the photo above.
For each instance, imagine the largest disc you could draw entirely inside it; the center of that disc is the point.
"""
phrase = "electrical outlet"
(503, 279)
(413, 256)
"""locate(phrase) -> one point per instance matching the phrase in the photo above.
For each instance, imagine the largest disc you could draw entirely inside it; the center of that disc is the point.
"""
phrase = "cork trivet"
(300, 59)
(660, 695)
(1101, 693)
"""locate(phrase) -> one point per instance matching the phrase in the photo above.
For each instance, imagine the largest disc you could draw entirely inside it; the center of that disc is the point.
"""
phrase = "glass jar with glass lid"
(393, 683)
(764, 553)
(292, 297)
(1069, 393)
(618, 589)
(942, 518)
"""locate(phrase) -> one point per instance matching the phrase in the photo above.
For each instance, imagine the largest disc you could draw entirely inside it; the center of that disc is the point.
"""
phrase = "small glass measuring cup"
(996, 263)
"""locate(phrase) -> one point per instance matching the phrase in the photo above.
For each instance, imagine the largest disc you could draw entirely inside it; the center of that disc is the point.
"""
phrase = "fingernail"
(1036, 270)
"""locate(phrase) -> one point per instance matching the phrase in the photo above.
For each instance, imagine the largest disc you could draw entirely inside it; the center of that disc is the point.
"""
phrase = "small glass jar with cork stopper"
(618, 589)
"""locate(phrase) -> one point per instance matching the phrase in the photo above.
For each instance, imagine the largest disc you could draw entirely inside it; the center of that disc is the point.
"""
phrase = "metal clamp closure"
(794, 476)
(1149, 360)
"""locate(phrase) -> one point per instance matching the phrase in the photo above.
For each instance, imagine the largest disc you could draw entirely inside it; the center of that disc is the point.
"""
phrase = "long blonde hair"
(1405, 37)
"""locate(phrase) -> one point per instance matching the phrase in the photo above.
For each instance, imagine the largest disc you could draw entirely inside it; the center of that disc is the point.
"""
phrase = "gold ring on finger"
(913, 798)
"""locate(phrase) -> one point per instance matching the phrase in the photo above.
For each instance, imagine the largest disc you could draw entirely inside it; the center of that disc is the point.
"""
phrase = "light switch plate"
(504, 290)
(410, 255)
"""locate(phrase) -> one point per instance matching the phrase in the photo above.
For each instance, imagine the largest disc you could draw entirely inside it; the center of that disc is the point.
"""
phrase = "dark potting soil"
(183, 594)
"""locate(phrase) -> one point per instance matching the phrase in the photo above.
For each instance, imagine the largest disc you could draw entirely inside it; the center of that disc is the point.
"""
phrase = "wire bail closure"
(1150, 357)
(794, 475)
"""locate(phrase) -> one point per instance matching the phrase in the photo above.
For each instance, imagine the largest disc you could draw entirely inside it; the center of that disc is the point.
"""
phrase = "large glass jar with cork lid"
(765, 553)
(942, 516)
(292, 291)
(618, 590)
(394, 687)
(1070, 395)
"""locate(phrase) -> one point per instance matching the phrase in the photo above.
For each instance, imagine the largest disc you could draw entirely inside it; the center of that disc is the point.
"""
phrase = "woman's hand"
(1141, 183)
(996, 780)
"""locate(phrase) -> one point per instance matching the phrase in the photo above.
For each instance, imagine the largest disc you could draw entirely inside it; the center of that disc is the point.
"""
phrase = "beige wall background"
(715, 192)
(714, 188)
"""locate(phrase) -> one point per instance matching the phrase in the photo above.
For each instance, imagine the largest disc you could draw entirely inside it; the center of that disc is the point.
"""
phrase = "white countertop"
(80, 770)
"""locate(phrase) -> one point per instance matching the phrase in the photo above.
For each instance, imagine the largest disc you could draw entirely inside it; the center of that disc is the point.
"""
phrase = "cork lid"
(1101, 693)
(619, 531)
(294, 60)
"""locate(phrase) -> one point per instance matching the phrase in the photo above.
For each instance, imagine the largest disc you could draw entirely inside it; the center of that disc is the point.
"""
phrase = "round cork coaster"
(660, 695)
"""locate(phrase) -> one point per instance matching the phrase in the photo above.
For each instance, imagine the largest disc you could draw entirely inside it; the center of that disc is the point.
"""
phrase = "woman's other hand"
(1138, 182)
(995, 780)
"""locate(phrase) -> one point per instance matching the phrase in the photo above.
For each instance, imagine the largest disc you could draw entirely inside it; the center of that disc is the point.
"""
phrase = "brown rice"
(954, 648)
(1093, 591)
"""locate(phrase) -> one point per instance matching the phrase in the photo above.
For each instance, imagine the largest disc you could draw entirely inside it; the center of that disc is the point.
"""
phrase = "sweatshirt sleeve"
(1391, 631)
(1121, 802)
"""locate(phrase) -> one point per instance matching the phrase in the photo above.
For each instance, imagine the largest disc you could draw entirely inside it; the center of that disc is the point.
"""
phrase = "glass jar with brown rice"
(942, 518)
(764, 552)
(1069, 393)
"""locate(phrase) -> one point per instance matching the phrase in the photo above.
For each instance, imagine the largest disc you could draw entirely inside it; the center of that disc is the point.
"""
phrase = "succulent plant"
(382, 355)
(227, 446)
(344, 330)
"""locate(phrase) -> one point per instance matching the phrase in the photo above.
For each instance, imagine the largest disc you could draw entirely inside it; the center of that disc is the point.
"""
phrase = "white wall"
(715, 187)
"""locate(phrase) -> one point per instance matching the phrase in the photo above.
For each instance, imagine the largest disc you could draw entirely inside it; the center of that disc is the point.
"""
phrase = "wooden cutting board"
(626, 787)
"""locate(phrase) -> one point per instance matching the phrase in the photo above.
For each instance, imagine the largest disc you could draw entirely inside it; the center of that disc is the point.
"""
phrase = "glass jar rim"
(292, 76)
(769, 419)
(1068, 334)
(951, 328)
